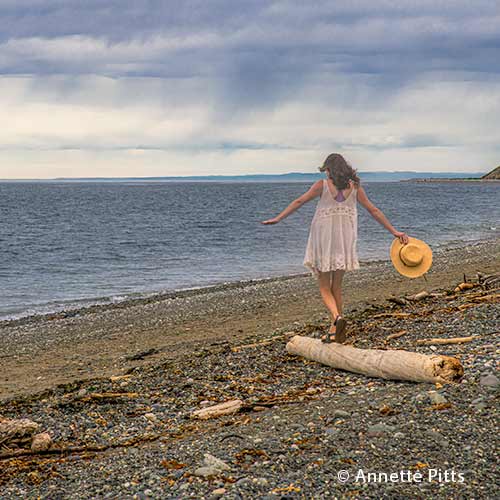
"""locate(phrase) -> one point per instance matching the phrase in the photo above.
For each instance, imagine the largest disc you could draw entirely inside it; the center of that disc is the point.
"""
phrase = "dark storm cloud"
(251, 41)
(241, 56)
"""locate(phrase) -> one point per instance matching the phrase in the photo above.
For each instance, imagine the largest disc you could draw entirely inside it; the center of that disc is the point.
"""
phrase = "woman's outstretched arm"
(313, 192)
(379, 216)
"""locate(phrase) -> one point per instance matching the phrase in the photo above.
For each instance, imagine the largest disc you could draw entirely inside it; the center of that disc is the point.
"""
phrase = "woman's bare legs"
(325, 288)
(336, 288)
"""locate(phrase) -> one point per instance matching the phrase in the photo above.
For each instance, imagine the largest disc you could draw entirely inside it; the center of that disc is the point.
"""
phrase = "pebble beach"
(116, 386)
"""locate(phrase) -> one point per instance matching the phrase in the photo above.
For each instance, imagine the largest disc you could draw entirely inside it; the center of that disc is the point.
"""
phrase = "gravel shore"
(43, 351)
(126, 423)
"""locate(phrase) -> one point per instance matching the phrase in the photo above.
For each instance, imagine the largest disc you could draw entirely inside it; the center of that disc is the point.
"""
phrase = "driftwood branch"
(419, 296)
(54, 450)
(396, 335)
(394, 364)
(391, 314)
(455, 340)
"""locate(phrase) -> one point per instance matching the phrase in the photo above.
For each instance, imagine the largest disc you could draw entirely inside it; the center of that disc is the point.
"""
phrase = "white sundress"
(334, 233)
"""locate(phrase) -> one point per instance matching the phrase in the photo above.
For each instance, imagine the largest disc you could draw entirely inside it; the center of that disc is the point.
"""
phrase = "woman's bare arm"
(379, 216)
(313, 192)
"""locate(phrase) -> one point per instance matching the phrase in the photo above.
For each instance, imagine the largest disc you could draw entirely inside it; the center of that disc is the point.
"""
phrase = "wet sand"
(43, 351)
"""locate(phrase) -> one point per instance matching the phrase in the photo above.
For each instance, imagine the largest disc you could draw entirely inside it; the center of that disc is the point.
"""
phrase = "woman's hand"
(270, 221)
(403, 237)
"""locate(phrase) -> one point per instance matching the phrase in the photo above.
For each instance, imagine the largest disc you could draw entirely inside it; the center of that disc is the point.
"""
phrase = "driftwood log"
(393, 364)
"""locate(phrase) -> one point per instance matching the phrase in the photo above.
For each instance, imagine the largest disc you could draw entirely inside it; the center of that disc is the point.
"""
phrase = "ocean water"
(64, 245)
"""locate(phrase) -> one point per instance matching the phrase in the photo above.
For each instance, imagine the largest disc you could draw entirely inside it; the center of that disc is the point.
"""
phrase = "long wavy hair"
(340, 171)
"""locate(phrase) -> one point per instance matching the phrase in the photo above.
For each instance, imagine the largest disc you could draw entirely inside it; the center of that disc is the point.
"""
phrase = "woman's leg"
(336, 288)
(325, 288)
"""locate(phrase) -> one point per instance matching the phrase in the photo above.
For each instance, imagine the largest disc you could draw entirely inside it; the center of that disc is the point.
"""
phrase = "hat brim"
(411, 271)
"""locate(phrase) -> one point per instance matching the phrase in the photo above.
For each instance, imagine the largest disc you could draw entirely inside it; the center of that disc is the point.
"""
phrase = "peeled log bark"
(392, 365)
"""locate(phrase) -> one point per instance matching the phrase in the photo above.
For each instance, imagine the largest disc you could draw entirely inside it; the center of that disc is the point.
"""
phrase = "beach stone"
(218, 492)
(260, 481)
(41, 442)
(341, 414)
(151, 417)
(217, 463)
(437, 398)
(436, 436)
(296, 427)
(489, 381)
(379, 429)
(207, 471)
(331, 431)
(244, 481)
(399, 435)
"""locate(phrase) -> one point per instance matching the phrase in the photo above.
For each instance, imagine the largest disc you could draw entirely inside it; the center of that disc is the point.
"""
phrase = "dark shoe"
(329, 337)
(341, 325)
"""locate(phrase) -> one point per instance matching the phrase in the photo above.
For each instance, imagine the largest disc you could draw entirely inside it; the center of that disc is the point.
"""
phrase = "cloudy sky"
(188, 87)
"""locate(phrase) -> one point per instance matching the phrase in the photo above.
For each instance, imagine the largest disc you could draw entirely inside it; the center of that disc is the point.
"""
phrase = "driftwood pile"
(386, 364)
(21, 434)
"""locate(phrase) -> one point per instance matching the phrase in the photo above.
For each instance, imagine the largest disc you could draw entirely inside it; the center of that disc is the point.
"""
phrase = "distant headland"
(493, 176)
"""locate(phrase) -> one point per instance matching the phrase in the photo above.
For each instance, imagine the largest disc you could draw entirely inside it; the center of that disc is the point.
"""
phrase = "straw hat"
(413, 259)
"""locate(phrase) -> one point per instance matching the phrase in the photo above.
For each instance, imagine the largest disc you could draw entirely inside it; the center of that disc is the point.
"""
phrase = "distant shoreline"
(376, 176)
(436, 179)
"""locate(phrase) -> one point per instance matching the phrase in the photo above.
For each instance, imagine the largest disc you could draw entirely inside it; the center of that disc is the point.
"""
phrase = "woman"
(331, 247)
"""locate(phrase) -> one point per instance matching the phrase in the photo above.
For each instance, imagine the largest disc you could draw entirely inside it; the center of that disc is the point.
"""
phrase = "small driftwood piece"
(455, 340)
(486, 298)
(109, 395)
(226, 408)
(464, 286)
(119, 378)
(489, 281)
(263, 342)
(248, 346)
(391, 314)
(393, 364)
(418, 296)
(396, 335)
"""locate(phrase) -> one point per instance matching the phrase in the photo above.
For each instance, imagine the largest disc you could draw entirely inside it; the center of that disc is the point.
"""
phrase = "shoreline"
(45, 351)
(93, 305)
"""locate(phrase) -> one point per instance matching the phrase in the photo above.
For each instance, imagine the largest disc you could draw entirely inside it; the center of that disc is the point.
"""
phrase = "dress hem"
(316, 270)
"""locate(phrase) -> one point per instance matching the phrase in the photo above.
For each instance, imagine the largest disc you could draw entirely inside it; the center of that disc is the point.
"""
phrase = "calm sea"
(65, 245)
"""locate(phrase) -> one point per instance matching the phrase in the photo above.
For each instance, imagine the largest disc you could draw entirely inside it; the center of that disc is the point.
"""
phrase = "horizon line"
(237, 175)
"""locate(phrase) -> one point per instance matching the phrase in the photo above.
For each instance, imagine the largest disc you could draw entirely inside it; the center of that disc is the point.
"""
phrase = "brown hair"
(339, 171)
